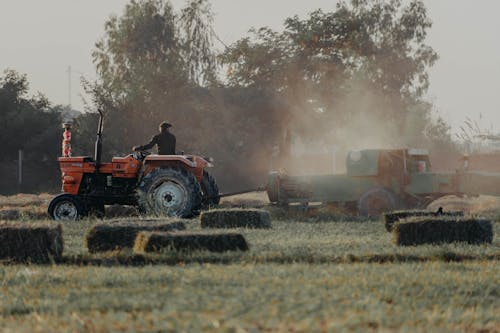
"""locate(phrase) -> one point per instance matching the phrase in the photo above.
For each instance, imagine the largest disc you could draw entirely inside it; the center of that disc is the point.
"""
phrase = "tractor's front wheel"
(376, 201)
(171, 192)
(66, 207)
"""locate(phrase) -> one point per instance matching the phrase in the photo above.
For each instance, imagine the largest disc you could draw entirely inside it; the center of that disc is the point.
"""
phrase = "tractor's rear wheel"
(210, 191)
(171, 192)
(376, 201)
(66, 207)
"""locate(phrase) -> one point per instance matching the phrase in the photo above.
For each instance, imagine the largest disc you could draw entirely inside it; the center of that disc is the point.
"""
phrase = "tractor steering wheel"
(140, 155)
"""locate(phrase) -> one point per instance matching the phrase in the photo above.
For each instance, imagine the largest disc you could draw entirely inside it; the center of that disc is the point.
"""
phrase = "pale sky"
(43, 38)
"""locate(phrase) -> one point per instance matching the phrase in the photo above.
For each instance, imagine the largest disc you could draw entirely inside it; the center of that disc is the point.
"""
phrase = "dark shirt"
(165, 141)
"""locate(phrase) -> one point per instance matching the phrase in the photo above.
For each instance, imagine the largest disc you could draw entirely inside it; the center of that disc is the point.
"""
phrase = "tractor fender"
(155, 159)
(194, 164)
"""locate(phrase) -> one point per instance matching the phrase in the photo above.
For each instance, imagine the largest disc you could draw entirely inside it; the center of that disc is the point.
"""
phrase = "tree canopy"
(366, 60)
(148, 62)
(32, 125)
(30, 122)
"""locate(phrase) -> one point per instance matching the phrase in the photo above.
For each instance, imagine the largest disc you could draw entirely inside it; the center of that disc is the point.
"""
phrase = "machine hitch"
(223, 195)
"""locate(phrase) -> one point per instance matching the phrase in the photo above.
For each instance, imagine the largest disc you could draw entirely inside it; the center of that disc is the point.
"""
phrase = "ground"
(311, 272)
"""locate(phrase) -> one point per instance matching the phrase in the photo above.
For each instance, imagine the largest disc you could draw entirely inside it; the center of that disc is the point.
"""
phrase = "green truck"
(377, 181)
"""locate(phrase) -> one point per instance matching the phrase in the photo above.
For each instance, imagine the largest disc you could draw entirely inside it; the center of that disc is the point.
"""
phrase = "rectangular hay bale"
(391, 218)
(10, 215)
(428, 230)
(236, 218)
(116, 235)
(185, 241)
(24, 242)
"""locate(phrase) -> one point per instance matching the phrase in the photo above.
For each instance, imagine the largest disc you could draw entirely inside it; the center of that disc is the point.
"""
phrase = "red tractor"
(171, 185)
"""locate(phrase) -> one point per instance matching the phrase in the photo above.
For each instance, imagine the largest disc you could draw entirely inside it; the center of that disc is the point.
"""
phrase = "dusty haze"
(42, 38)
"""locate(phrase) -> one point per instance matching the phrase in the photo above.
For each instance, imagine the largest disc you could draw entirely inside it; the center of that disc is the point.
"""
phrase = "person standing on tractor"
(164, 140)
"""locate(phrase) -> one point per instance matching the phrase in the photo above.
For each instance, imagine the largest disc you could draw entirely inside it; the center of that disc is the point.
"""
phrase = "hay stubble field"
(305, 274)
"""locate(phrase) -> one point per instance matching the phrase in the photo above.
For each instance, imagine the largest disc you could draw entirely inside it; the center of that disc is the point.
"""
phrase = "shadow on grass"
(113, 259)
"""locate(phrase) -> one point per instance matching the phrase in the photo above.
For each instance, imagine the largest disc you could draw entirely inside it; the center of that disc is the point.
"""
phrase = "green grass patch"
(298, 276)
(445, 297)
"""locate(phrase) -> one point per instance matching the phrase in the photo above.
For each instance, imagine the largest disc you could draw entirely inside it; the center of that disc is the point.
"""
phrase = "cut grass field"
(426, 297)
(301, 275)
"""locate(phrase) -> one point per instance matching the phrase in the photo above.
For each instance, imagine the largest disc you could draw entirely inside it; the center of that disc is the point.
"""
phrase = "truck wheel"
(66, 207)
(376, 201)
(210, 190)
(171, 192)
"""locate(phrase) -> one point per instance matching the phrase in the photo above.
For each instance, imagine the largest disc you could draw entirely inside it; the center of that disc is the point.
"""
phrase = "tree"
(196, 22)
(365, 62)
(149, 62)
(30, 125)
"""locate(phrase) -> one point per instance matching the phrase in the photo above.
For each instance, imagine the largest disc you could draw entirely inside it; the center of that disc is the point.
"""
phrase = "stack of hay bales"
(432, 230)
(236, 218)
(116, 235)
(183, 241)
(393, 217)
(23, 242)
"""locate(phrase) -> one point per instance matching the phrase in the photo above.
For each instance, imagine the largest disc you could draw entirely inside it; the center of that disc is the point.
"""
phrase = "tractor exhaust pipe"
(98, 142)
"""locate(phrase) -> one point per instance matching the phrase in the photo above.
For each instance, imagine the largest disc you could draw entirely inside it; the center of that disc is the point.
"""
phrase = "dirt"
(35, 206)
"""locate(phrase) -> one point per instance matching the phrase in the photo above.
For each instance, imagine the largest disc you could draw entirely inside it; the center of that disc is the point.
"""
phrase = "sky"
(43, 38)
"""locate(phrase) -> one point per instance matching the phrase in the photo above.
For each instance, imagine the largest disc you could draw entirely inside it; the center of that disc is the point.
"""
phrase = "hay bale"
(23, 242)
(185, 241)
(10, 214)
(391, 218)
(430, 230)
(116, 235)
(236, 218)
(115, 211)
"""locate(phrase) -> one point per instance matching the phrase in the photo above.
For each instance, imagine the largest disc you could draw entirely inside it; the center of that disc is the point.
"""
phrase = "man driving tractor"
(164, 140)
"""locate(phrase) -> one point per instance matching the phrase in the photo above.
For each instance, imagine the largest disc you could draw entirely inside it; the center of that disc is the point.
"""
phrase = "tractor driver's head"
(164, 126)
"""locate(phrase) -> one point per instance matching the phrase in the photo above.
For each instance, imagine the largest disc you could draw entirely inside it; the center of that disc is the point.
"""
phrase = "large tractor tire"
(376, 201)
(169, 192)
(67, 207)
(210, 191)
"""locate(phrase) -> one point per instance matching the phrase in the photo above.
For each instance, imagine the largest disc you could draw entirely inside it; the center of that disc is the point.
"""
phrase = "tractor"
(170, 185)
(380, 180)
